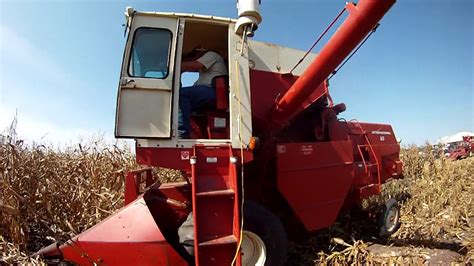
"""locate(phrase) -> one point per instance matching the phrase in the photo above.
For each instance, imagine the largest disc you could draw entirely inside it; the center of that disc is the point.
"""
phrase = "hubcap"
(392, 219)
(253, 249)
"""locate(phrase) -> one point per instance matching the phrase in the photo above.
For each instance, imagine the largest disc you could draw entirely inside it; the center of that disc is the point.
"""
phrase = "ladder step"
(231, 239)
(227, 192)
(371, 164)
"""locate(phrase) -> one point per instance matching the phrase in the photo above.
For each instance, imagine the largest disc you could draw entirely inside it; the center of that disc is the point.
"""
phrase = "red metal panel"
(222, 94)
(315, 179)
(215, 205)
(100, 253)
(133, 181)
(265, 87)
(385, 146)
(361, 20)
(129, 237)
(131, 188)
(174, 158)
(218, 126)
(180, 191)
(376, 156)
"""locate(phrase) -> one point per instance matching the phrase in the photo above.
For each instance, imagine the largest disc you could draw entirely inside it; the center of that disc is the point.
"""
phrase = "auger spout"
(362, 19)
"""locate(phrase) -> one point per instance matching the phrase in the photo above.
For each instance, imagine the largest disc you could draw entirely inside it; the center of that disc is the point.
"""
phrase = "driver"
(209, 64)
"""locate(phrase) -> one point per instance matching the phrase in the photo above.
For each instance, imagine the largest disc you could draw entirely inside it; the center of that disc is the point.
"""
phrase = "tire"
(389, 218)
(269, 229)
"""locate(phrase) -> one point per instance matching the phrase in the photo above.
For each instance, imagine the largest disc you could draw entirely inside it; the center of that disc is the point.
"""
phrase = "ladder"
(216, 205)
(369, 164)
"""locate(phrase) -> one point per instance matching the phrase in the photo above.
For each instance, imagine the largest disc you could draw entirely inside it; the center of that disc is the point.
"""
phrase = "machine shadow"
(353, 225)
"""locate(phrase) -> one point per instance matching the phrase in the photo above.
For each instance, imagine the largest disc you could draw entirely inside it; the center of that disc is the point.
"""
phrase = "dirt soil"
(406, 255)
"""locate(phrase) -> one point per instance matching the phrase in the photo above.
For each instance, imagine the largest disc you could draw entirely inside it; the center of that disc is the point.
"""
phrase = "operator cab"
(211, 119)
(151, 79)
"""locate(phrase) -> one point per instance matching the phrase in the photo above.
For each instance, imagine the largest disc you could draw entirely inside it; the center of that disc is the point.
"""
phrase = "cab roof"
(186, 15)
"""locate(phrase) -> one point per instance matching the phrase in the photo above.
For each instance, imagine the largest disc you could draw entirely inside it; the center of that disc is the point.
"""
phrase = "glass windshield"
(150, 53)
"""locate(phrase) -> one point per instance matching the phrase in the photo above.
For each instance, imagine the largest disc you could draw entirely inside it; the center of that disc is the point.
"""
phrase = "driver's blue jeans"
(190, 99)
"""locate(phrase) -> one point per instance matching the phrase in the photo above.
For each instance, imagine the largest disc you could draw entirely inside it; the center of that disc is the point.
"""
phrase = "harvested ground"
(409, 254)
(49, 195)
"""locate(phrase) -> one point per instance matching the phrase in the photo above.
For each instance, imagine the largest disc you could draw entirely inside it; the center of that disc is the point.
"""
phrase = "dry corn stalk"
(50, 194)
(11, 254)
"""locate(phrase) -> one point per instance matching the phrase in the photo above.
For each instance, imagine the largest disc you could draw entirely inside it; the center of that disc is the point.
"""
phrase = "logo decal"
(184, 155)
(376, 132)
(307, 149)
(281, 149)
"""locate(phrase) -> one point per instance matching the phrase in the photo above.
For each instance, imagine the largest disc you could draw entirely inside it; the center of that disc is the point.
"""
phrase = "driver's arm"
(192, 66)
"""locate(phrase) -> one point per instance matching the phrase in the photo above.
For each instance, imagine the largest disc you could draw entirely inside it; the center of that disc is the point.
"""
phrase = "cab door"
(144, 101)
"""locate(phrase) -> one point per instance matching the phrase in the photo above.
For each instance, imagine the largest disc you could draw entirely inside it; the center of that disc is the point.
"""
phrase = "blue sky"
(60, 62)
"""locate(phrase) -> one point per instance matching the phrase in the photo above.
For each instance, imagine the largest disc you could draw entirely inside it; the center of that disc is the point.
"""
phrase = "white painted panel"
(274, 58)
(144, 104)
(145, 112)
(240, 101)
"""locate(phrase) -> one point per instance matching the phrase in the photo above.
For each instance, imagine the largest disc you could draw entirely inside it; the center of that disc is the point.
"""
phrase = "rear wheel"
(389, 218)
(264, 240)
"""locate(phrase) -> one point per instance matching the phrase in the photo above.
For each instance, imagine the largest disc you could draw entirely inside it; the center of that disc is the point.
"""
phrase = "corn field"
(50, 194)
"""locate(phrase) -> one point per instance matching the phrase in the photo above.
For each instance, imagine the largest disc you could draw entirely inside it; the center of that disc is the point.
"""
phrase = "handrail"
(372, 152)
(362, 156)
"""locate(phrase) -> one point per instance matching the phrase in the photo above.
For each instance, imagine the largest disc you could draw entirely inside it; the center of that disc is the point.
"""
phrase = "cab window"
(150, 53)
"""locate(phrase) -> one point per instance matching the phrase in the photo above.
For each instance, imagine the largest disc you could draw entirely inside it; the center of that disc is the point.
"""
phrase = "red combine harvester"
(268, 158)
(463, 149)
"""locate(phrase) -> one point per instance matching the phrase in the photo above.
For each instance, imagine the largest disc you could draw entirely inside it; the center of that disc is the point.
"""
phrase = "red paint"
(218, 126)
(222, 93)
(463, 149)
(376, 156)
(349, 163)
(361, 20)
(342, 163)
(268, 87)
(216, 208)
(173, 157)
(132, 231)
(265, 87)
(315, 179)
(133, 181)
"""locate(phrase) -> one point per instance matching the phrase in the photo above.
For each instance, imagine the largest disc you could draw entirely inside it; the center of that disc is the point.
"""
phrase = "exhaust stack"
(249, 16)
